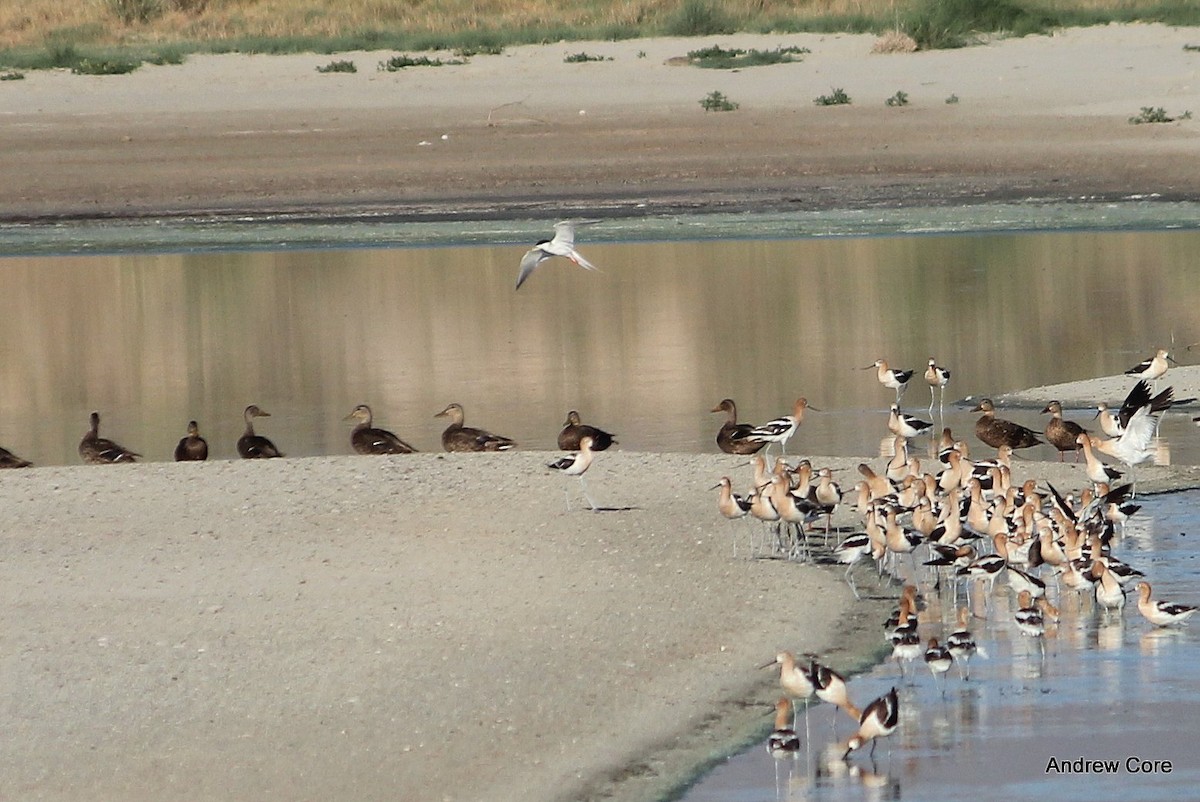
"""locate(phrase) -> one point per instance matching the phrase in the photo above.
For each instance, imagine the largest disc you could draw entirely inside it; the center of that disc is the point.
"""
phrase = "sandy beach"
(526, 134)
(441, 626)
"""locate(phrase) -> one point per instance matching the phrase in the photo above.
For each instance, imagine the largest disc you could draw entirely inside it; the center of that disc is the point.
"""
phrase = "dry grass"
(894, 42)
(33, 22)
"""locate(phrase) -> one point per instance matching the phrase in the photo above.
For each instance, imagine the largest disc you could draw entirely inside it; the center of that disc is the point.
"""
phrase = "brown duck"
(96, 450)
(998, 432)
(733, 437)
(11, 460)
(366, 439)
(1060, 433)
(192, 448)
(463, 438)
(574, 431)
(255, 446)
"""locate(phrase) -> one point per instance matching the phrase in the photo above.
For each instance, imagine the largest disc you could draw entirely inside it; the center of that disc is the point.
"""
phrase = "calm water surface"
(644, 348)
(1100, 687)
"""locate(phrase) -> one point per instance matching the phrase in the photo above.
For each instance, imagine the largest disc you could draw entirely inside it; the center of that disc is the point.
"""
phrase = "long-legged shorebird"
(937, 378)
(576, 464)
(879, 720)
(890, 377)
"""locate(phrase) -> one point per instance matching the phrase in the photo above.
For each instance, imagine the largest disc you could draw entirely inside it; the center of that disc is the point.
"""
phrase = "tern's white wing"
(532, 258)
(564, 233)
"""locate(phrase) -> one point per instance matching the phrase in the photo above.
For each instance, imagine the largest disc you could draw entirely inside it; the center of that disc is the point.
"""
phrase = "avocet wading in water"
(563, 244)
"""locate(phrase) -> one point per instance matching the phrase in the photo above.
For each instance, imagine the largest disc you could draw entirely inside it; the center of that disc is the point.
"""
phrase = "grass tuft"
(716, 101)
(935, 24)
(719, 58)
(338, 66)
(102, 66)
(898, 99)
(1152, 114)
(400, 62)
(700, 18)
(582, 58)
(837, 97)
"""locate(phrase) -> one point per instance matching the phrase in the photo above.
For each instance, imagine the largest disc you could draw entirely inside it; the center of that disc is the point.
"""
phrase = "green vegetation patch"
(898, 99)
(938, 24)
(400, 62)
(1152, 114)
(717, 101)
(836, 97)
(719, 58)
(581, 58)
(12, 76)
(105, 66)
(338, 66)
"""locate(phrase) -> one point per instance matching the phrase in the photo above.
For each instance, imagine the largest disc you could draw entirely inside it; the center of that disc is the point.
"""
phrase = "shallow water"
(645, 348)
(1100, 687)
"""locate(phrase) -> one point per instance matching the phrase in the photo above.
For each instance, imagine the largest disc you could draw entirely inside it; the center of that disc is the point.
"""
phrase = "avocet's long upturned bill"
(563, 244)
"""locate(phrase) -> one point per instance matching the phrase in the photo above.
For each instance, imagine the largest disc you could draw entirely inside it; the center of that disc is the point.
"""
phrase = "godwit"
(1060, 433)
(563, 244)
(733, 437)
(937, 378)
(97, 450)
(907, 425)
(783, 740)
(961, 644)
(940, 660)
(998, 432)
(782, 428)
(891, 378)
(878, 720)
(255, 446)
(457, 437)
(574, 430)
(576, 464)
(366, 439)
(1153, 368)
(193, 447)
(1161, 613)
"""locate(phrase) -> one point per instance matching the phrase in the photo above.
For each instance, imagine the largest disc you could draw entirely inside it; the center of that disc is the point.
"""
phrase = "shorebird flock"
(962, 529)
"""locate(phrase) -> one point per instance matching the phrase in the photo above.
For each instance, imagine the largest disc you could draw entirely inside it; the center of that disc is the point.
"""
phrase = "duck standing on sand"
(998, 432)
(574, 430)
(734, 437)
(366, 439)
(457, 437)
(11, 460)
(255, 446)
(193, 447)
(1060, 433)
(96, 450)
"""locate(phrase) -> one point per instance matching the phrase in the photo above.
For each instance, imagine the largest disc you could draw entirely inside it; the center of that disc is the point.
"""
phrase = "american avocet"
(783, 742)
(563, 244)
(782, 428)
(1060, 433)
(998, 432)
(940, 660)
(576, 464)
(849, 552)
(1140, 397)
(907, 425)
(878, 720)
(1021, 580)
(1161, 613)
(827, 493)
(794, 511)
(1109, 593)
(879, 486)
(830, 687)
(1135, 445)
(732, 437)
(1152, 368)
(192, 448)
(1097, 472)
(97, 450)
(987, 567)
(1028, 617)
(906, 646)
(937, 378)
(733, 506)
(890, 377)
(457, 437)
(794, 680)
(574, 430)
(366, 439)
(961, 644)
(255, 446)
(1108, 421)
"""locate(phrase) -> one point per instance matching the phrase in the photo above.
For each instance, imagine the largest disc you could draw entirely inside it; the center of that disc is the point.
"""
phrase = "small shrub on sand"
(898, 99)
(1151, 114)
(716, 101)
(894, 42)
(338, 66)
(837, 97)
